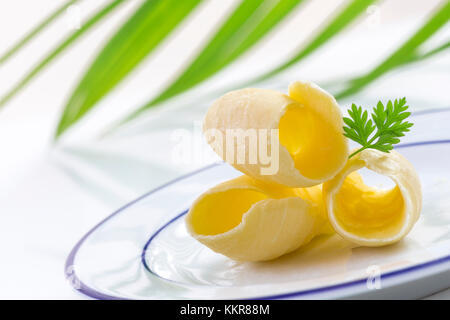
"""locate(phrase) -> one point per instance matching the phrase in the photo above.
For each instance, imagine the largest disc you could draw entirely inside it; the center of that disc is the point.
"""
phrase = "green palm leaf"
(248, 24)
(406, 53)
(29, 36)
(431, 52)
(225, 46)
(140, 35)
(352, 11)
(97, 17)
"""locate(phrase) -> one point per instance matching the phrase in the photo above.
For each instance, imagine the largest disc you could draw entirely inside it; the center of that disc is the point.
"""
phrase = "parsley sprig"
(389, 122)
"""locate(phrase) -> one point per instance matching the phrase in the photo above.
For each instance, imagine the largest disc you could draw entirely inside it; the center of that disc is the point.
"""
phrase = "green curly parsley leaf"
(389, 122)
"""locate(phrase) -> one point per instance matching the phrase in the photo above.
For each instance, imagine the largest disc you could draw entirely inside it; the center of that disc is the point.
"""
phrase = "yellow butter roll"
(247, 220)
(301, 132)
(369, 216)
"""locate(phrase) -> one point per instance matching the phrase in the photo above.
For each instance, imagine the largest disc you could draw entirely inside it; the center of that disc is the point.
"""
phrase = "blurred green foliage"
(248, 23)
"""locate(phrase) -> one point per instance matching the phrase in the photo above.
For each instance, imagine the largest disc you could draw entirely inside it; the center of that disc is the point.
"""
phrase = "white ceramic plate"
(142, 251)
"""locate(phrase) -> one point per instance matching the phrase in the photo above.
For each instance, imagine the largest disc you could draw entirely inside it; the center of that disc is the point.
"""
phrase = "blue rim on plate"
(78, 284)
